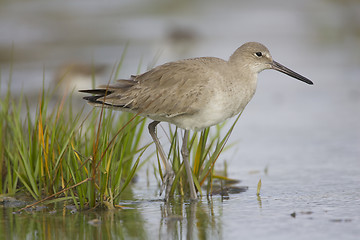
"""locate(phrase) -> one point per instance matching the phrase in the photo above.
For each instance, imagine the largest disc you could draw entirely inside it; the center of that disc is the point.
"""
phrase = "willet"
(193, 94)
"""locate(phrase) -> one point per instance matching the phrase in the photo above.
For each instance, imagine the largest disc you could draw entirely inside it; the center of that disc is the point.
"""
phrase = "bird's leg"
(169, 173)
(185, 155)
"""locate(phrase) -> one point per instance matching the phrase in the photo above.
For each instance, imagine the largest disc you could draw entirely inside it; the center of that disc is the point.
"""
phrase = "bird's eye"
(258, 54)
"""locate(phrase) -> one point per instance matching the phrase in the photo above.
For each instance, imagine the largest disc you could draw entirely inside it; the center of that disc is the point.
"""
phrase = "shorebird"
(193, 94)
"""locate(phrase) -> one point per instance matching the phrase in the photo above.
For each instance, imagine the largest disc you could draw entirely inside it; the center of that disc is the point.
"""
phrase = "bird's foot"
(168, 180)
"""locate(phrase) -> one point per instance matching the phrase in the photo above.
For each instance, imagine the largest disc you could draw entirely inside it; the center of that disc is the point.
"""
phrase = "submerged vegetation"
(59, 154)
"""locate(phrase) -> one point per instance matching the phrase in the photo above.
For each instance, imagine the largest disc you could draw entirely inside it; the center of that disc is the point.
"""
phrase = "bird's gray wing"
(168, 90)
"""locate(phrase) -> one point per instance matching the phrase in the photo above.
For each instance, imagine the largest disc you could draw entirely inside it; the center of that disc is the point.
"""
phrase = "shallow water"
(297, 209)
(308, 137)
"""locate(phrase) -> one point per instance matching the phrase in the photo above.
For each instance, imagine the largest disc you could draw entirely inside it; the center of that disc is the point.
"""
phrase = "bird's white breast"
(221, 106)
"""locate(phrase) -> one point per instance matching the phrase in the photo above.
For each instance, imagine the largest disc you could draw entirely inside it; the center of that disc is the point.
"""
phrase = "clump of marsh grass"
(58, 153)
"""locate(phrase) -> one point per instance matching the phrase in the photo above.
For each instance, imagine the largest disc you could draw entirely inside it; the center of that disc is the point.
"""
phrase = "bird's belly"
(218, 109)
(199, 121)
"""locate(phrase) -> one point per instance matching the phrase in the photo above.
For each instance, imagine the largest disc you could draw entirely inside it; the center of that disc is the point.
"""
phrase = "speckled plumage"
(193, 93)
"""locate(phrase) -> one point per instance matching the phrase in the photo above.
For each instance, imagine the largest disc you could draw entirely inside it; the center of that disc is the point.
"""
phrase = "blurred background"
(310, 36)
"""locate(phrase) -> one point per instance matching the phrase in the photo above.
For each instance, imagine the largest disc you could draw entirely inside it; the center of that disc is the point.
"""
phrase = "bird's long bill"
(277, 66)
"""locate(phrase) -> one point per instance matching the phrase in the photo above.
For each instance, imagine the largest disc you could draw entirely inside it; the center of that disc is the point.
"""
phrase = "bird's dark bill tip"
(281, 68)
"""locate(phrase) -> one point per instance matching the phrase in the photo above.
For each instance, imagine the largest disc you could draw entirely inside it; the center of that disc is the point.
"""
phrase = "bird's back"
(192, 93)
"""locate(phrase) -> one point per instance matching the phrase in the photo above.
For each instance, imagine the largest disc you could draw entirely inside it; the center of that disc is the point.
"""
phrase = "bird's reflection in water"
(190, 219)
